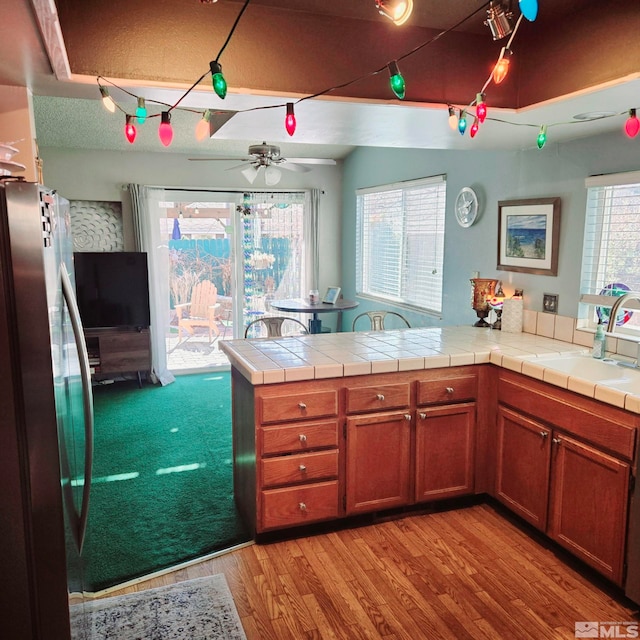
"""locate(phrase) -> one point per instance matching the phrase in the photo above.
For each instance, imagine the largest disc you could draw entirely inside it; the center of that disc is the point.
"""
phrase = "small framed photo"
(528, 235)
(550, 302)
(332, 295)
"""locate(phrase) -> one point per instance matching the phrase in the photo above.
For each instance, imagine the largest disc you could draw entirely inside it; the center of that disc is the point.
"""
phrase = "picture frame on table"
(528, 235)
(332, 295)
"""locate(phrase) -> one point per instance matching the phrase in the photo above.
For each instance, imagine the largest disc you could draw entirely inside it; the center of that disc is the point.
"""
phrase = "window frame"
(400, 273)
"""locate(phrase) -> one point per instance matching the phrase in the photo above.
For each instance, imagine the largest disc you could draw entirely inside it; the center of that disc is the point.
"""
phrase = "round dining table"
(302, 305)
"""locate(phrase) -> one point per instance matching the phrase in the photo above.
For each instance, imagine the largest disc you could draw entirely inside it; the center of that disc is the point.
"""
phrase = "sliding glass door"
(225, 256)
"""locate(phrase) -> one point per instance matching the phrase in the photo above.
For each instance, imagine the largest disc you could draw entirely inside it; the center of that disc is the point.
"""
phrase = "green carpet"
(163, 477)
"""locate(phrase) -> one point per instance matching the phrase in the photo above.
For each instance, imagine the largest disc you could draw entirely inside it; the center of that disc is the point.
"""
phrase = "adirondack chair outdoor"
(200, 312)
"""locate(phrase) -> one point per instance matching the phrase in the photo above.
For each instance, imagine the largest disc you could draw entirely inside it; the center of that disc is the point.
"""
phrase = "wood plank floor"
(466, 573)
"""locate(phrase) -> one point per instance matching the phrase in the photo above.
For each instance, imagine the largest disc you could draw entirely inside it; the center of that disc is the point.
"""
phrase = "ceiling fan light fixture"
(250, 173)
(499, 21)
(398, 11)
(272, 175)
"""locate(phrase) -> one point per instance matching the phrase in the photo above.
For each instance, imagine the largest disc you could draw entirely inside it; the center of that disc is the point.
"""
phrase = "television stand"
(116, 351)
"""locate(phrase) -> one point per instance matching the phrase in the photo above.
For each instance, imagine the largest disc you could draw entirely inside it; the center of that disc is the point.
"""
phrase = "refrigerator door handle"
(85, 374)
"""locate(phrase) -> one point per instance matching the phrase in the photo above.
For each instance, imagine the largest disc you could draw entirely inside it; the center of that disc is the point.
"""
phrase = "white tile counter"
(334, 355)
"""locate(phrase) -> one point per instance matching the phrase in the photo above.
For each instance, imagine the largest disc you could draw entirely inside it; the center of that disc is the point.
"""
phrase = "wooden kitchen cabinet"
(589, 495)
(566, 468)
(522, 470)
(445, 451)
(378, 458)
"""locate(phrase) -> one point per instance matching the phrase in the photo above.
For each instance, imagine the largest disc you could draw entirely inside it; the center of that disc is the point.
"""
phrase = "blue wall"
(557, 170)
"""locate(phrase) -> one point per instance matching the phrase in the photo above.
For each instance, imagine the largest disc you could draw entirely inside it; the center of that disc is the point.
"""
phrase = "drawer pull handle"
(302, 437)
(407, 416)
(423, 416)
(303, 506)
(449, 389)
(544, 434)
(380, 397)
(556, 441)
(302, 406)
(302, 467)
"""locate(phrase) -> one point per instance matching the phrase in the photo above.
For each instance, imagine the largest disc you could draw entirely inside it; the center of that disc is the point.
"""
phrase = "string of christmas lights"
(457, 121)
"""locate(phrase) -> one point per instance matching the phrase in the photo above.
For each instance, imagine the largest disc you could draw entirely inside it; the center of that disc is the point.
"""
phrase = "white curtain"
(146, 223)
(312, 207)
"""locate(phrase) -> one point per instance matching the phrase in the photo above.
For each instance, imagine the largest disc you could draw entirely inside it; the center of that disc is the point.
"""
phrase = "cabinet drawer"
(309, 404)
(322, 465)
(378, 397)
(293, 506)
(453, 389)
(299, 437)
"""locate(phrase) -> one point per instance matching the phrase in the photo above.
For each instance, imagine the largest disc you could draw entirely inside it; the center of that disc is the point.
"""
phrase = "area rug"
(200, 609)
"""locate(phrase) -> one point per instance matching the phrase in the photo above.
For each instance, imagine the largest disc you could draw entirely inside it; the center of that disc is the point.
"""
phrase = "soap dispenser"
(599, 341)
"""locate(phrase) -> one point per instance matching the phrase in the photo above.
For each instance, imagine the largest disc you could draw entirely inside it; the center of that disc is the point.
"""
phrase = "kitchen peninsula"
(336, 425)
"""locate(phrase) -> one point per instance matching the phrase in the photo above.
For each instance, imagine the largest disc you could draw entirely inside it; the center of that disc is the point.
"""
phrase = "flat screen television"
(112, 289)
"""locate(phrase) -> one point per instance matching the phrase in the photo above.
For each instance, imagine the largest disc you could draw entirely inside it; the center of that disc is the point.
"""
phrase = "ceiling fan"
(267, 156)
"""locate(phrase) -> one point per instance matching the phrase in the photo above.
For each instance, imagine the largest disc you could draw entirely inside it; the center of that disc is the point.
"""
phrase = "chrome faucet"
(620, 302)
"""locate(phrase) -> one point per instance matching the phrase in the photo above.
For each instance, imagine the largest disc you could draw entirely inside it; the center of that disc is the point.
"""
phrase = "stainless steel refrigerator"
(46, 420)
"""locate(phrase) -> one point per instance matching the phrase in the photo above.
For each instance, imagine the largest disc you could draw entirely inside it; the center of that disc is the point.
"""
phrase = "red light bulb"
(474, 128)
(165, 131)
(130, 130)
(290, 119)
(632, 125)
(481, 108)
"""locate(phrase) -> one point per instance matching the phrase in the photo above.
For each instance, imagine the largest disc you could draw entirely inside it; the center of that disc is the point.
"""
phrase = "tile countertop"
(335, 355)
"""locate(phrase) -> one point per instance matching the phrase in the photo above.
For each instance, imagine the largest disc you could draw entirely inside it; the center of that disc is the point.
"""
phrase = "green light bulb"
(396, 80)
(219, 83)
(542, 137)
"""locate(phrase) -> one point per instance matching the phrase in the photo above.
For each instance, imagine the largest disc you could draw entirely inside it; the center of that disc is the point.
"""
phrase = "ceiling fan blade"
(312, 160)
(292, 166)
(247, 163)
(213, 158)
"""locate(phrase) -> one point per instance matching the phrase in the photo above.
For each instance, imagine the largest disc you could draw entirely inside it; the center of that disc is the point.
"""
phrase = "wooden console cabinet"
(118, 351)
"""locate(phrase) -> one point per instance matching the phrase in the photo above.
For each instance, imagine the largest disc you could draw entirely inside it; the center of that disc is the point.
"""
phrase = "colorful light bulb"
(462, 122)
(529, 9)
(203, 127)
(474, 127)
(165, 131)
(396, 80)
(141, 111)
(130, 130)
(542, 136)
(217, 79)
(632, 125)
(481, 108)
(453, 119)
(501, 70)
(290, 119)
(107, 100)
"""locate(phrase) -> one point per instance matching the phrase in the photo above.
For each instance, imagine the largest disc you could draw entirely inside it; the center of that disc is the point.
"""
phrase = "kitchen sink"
(607, 371)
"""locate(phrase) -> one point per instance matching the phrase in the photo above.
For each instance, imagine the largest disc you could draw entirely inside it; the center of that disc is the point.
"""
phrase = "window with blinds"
(400, 242)
(611, 250)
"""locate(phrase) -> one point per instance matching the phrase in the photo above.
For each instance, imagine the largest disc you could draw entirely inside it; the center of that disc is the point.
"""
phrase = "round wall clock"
(466, 207)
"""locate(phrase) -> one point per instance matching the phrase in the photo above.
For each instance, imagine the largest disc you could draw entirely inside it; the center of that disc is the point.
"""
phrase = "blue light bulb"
(529, 9)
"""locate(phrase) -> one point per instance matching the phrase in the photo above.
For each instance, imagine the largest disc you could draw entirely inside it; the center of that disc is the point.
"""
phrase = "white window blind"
(611, 250)
(400, 242)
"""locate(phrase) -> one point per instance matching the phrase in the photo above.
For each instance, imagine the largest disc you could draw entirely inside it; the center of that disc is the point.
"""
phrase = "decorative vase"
(483, 291)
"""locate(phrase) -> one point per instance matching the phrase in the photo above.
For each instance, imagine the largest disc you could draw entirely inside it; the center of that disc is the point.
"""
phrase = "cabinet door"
(445, 451)
(378, 471)
(522, 474)
(589, 505)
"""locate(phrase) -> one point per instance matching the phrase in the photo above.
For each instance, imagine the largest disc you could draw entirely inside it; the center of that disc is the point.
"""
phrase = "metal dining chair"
(377, 318)
(274, 324)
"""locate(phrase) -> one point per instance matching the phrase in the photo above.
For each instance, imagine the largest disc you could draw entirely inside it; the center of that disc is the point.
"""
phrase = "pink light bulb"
(165, 131)
(632, 125)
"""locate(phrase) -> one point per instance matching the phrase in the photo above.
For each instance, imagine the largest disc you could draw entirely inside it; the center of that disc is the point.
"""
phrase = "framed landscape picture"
(528, 235)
